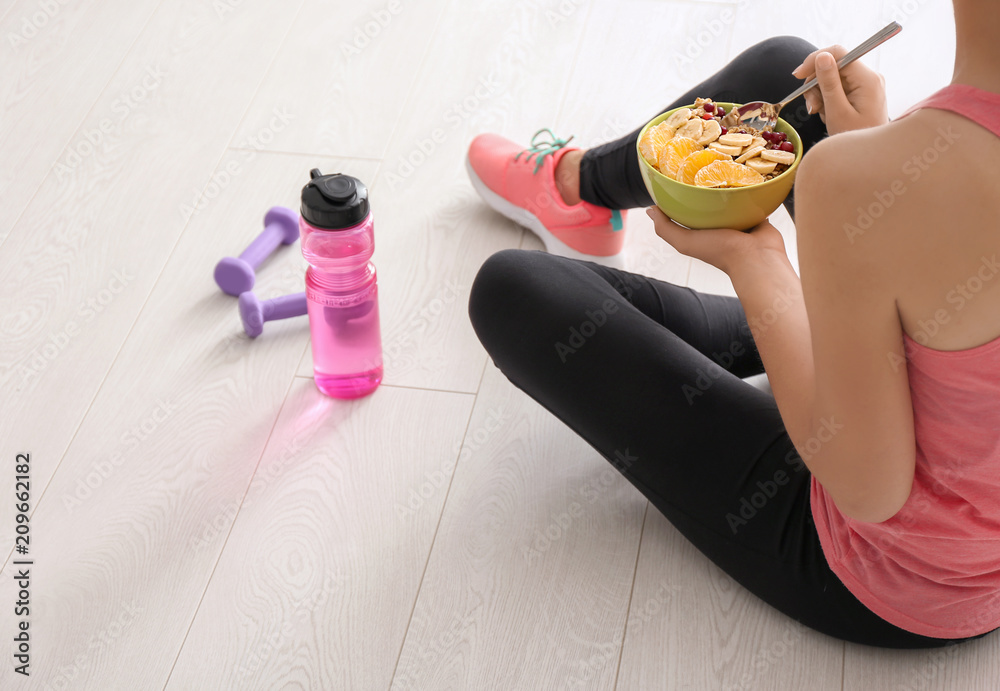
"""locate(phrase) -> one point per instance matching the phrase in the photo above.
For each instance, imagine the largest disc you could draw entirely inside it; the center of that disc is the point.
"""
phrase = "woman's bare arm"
(835, 357)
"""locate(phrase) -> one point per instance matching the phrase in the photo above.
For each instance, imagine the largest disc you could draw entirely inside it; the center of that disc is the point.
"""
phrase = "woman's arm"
(834, 355)
(831, 343)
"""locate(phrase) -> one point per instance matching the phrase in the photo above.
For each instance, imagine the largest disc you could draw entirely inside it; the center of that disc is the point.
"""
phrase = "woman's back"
(929, 216)
(923, 189)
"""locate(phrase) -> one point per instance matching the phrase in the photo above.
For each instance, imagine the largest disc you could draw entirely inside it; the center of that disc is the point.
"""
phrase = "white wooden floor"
(202, 518)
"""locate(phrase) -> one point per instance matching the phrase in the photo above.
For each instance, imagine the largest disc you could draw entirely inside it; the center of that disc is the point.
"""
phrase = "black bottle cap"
(334, 202)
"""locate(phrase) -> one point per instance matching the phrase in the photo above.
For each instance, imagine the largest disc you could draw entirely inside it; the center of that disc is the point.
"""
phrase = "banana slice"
(679, 118)
(749, 153)
(723, 149)
(761, 166)
(759, 141)
(736, 139)
(710, 132)
(778, 156)
(692, 129)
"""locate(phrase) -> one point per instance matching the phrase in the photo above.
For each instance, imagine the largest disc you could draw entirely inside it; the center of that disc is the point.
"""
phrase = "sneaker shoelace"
(541, 149)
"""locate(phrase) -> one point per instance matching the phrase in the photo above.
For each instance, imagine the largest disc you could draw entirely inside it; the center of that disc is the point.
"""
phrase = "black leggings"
(650, 374)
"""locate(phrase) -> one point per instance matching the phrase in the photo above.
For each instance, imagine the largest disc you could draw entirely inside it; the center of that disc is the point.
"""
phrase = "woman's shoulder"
(859, 158)
(927, 144)
(917, 197)
(899, 172)
(849, 180)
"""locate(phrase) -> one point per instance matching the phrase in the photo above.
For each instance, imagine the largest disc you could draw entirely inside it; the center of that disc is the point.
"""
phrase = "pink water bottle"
(338, 239)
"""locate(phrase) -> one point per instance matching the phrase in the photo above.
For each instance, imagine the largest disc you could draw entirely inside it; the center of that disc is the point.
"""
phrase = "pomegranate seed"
(787, 146)
(707, 116)
(709, 107)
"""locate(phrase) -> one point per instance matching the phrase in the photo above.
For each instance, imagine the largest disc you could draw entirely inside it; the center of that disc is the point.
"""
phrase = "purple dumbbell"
(254, 313)
(235, 275)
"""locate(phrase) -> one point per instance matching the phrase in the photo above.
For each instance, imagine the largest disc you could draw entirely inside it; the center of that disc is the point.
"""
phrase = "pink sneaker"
(520, 184)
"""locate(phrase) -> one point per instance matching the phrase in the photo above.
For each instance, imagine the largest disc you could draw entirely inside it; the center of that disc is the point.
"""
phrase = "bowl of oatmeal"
(703, 175)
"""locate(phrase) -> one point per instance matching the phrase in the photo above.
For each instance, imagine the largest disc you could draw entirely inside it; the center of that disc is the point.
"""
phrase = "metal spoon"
(763, 116)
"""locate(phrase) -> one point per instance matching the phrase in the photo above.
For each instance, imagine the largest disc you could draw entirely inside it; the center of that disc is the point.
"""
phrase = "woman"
(863, 497)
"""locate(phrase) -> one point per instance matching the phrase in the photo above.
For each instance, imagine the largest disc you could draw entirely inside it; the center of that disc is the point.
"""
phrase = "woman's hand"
(724, 248)
(848, 99)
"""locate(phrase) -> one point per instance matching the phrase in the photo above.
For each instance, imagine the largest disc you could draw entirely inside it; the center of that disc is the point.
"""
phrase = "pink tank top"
(934, 568)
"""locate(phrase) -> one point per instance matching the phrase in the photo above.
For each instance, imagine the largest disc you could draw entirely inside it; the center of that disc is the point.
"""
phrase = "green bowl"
(741, 208)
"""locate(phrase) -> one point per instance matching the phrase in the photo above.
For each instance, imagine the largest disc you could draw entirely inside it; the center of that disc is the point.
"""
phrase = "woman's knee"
(502, 288)
(503, 272)
(780, 53)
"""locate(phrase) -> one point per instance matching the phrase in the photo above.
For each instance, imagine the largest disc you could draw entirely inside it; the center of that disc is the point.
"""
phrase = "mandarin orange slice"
(674, 153)
(727, 174)
(654, 140)
(696, 161)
